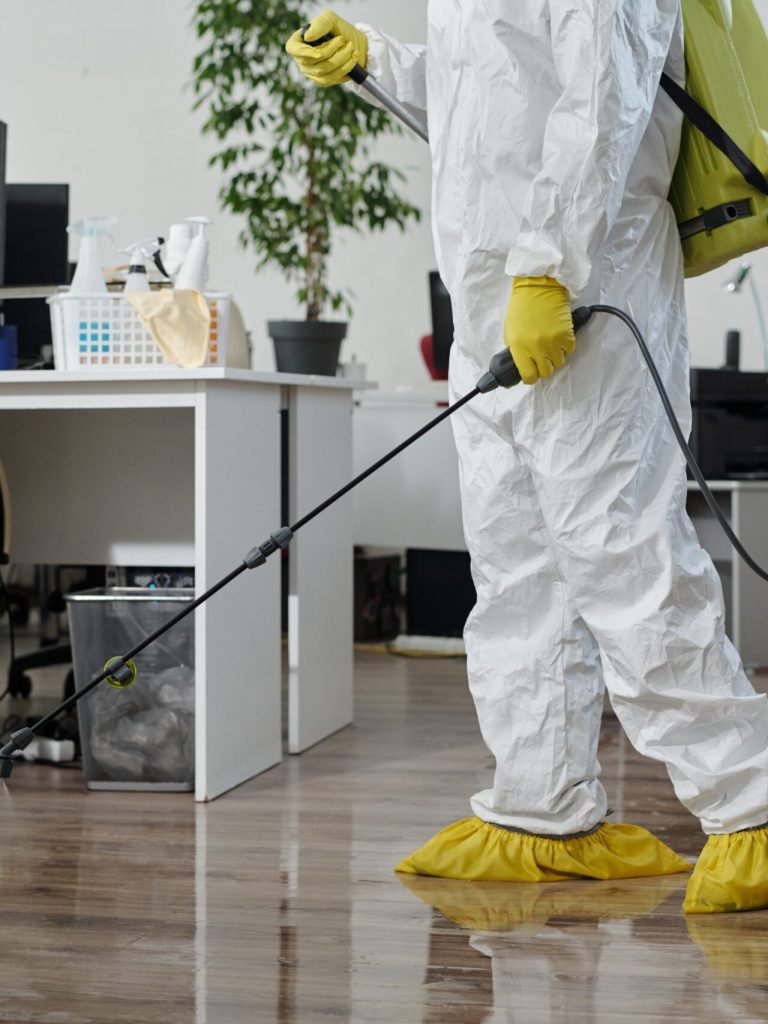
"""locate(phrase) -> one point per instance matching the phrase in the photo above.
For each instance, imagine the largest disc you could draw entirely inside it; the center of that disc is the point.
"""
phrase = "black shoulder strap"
(716, 134)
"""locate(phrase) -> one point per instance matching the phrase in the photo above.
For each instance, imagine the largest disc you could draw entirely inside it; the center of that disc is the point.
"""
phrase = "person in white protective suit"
(552, 152)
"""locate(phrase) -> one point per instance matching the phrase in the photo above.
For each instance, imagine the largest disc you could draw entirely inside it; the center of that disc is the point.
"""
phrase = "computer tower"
(3, 142)
(440, 592)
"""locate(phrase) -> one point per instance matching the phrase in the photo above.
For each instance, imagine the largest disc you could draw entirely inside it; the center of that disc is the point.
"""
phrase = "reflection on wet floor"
(589, 951)
(279, 903)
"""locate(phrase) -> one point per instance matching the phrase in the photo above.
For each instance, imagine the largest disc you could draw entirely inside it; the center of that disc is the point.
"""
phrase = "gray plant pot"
(307, 346)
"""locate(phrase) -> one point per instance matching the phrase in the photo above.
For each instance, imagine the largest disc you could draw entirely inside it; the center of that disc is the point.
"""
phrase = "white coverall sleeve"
(608, 57)
(400, 67)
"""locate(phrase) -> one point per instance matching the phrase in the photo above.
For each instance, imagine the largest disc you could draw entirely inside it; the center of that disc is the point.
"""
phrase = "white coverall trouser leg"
(589, 574)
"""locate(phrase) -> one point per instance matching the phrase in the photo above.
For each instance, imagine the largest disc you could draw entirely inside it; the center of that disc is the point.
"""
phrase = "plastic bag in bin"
(147, 732)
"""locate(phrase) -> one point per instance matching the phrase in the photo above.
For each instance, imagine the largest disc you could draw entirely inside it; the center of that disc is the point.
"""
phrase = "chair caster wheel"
(20, 685)
(69, 685)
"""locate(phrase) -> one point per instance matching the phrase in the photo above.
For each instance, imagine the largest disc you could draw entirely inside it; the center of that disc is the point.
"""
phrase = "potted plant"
(297, 163)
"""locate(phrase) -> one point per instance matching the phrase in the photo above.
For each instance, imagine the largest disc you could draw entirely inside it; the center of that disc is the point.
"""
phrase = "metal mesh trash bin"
(142, 737)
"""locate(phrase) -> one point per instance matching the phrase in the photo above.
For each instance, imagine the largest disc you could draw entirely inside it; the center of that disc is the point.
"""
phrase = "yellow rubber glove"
(538, 329)
(331, 62)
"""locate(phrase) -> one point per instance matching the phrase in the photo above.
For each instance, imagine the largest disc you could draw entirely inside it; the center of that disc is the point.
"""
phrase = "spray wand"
(121, 671)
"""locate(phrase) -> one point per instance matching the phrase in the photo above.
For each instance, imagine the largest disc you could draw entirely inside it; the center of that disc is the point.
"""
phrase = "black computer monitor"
(36, 253)
(442, 321)
(3, 143)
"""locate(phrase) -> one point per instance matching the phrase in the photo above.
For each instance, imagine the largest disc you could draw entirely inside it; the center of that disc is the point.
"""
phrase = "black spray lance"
(121, 670)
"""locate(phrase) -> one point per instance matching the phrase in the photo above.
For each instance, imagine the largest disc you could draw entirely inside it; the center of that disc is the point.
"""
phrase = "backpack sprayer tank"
(721, 214)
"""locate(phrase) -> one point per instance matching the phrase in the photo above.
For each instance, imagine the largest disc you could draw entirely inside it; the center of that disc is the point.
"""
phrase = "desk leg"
(749, 633)
(237, 633)
(320, 599)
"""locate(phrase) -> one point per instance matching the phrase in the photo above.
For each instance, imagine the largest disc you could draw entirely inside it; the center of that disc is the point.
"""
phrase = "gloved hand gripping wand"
(366, 81)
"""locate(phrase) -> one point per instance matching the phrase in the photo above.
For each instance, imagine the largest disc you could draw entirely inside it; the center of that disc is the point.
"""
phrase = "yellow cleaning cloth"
(179, 321)
(495, 906)
(478, 851)
(731, 874)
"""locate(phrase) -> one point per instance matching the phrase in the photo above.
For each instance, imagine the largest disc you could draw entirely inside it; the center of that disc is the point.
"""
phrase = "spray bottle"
(89, 277)
(148, 248)
(194, 269)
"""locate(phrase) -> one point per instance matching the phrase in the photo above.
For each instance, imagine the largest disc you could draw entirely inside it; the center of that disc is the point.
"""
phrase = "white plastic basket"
(103, 332)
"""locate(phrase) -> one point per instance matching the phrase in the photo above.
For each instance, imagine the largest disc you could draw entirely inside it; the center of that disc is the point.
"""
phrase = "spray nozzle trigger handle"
(315, 42)
(358, 74)
(157, 260)
(147, 249)
(502, 372)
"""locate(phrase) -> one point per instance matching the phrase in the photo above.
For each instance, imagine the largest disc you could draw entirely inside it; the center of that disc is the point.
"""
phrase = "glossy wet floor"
(278, 903)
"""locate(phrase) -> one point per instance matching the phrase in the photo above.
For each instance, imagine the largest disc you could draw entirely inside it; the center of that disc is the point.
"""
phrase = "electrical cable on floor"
(698, 476)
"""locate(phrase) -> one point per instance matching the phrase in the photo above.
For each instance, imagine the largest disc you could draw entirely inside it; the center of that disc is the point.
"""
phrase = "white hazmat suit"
(552, 151)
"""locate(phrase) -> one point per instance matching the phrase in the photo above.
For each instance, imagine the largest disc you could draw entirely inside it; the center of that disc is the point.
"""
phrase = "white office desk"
(413, 502)
(745, 505)
(182, 468)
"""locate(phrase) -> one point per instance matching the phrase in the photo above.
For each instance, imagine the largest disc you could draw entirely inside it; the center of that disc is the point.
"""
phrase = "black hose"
(693, 465)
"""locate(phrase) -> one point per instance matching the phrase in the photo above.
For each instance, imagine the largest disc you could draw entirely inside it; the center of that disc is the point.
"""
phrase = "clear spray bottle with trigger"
(89, 276)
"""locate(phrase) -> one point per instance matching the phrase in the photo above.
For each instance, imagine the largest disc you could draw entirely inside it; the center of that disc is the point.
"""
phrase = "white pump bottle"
(194, 269)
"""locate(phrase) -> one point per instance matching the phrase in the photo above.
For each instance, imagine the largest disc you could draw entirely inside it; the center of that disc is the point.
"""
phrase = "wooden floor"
(278, 903)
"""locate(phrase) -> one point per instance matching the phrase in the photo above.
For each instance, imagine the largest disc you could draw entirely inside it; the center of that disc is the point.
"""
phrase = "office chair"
(18, 600)
(19, 682)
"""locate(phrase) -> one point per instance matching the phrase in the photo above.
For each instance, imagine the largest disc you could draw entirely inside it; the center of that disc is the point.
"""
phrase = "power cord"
(698, 476)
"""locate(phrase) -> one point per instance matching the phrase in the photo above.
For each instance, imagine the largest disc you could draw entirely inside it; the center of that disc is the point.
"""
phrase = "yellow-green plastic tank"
(727, 72)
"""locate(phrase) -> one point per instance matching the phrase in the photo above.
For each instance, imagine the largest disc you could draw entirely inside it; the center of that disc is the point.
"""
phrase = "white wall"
(96, 93)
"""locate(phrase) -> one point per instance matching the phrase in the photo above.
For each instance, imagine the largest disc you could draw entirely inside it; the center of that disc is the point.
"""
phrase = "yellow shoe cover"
(478, 851)
(494, 906)
(730, 874)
